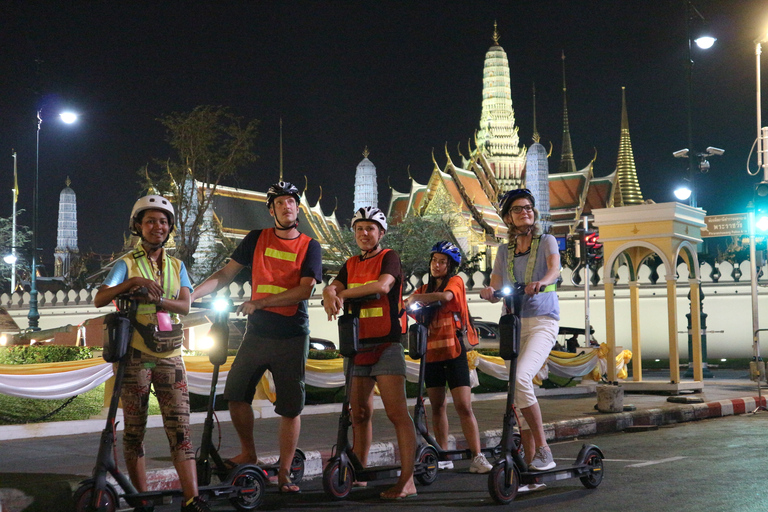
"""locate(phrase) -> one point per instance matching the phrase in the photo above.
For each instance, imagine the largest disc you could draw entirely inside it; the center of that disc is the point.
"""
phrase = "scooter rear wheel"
(297, 467)
(252, 486)
(428, 459)
(335, 487)
(502, 491)
(594, 461)
(84, 495)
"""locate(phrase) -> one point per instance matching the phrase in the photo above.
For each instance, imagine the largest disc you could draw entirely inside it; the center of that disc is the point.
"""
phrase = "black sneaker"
(198, 504)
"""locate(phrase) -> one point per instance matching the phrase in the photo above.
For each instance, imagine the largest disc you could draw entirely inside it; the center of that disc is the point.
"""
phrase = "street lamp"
(34, 315)
(704, 41)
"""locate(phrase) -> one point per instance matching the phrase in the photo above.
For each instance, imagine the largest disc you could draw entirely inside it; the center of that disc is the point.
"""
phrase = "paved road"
(713, 465)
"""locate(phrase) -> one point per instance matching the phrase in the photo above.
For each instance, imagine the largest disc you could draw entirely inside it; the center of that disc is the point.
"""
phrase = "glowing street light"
(34, 315)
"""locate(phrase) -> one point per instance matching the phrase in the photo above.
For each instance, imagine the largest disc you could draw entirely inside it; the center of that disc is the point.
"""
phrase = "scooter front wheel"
(337, 479)
(503, 484)
(251, 485)
(594, 462)
(428, 460)
(83, 498)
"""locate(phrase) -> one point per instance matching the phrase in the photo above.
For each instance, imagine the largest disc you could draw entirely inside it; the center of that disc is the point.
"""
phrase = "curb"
(565, 430)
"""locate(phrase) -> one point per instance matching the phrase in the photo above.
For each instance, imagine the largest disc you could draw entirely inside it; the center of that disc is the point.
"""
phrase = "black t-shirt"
(390, 264)
(277, 325)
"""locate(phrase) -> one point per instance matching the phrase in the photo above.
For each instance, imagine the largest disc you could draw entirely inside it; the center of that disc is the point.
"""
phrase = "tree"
(23, 237)
(211, 143)
(413, 238)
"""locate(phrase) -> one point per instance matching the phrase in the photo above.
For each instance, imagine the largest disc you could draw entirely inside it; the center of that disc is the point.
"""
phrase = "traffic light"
(760, 202)
(594, 249)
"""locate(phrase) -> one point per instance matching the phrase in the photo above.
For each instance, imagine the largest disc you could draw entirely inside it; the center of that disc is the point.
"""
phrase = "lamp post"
(757, 366)
(34, 315)
(697, 162)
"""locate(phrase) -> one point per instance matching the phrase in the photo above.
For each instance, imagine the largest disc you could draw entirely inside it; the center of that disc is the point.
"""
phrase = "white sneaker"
(445, 464)
(531, 488)
(480, 464)
(543, 459)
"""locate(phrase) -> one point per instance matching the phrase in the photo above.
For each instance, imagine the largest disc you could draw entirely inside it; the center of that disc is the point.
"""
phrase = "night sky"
(399, 77)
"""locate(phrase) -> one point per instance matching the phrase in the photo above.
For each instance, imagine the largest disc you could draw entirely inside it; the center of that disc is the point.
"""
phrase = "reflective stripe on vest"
(529, 268)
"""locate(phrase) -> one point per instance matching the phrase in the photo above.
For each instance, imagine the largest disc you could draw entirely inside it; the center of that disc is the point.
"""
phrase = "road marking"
(653, 462)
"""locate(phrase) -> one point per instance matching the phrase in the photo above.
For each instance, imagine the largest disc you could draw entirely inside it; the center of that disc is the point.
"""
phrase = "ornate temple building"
(366, 189)
(66, 252)
(497, 137)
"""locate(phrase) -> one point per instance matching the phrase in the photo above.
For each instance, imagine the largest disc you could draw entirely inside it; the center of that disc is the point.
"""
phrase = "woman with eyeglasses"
(532, 258)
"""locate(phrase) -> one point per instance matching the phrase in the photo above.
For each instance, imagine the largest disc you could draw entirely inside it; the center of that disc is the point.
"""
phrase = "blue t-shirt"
(541, 304)
(119, 273)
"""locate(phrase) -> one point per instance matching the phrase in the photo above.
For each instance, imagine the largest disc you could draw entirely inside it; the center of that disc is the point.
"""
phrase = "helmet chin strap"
(280, 227)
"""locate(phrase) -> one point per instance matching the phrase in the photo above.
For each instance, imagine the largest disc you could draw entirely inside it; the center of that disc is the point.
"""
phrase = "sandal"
(289, 488)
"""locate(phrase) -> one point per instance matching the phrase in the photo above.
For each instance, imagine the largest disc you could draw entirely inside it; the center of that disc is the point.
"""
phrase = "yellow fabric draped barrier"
(61, 380)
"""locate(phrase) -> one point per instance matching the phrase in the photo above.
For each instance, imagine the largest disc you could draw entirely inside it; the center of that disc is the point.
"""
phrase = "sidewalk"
(40, 463)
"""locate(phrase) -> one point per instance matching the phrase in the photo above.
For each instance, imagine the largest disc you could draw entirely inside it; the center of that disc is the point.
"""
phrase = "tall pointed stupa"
(629, 187)
(497, 137)
(567, 163)
(537, 173)
(366, 190)
(66, 252)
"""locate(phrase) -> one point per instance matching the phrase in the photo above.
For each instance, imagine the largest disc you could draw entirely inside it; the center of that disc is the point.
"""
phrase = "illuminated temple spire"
(567, 163)
(537, 173)
(628, 184)
(497, 137)
(366, 190)
(66, 252)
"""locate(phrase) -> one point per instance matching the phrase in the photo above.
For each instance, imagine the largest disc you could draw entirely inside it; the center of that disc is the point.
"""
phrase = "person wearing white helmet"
(532, 258)
(381, 361)
(152, 363)
(285, 266)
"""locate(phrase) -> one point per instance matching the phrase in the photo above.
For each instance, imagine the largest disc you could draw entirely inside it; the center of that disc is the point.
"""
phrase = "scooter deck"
(554, 474)
(165, 497)
(377, 473)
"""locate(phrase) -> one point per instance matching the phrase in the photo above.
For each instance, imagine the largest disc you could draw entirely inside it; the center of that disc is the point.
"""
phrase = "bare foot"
(359, 484)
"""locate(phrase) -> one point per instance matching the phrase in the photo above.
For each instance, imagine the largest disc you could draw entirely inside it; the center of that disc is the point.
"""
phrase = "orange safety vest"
(276, 267)
(375, 315)
(442, 343)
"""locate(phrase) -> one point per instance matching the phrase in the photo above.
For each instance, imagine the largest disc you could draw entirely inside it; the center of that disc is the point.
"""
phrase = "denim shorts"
(391, 362)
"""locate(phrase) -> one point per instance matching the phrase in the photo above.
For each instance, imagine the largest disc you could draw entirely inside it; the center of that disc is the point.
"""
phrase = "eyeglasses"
(518, 209)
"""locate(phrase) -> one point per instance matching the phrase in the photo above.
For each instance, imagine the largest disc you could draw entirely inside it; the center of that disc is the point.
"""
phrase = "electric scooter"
(417, 348)
(511, 470)
(244, 486)
(209, 461)
(344, 467)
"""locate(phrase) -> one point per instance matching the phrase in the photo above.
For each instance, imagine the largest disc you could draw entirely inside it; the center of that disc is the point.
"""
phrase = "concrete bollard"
(610, 398)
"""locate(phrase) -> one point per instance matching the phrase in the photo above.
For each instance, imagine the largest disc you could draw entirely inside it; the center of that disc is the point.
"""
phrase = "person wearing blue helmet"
(446, 357)
(532, 258)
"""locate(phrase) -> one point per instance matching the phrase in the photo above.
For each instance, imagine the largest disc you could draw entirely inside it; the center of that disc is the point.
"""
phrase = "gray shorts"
(391, 362)
(285, 358)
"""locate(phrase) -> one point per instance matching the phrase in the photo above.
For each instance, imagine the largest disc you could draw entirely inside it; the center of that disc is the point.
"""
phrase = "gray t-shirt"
(541, 304)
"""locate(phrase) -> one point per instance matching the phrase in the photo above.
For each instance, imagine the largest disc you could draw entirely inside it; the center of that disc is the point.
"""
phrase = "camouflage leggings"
(169, 378)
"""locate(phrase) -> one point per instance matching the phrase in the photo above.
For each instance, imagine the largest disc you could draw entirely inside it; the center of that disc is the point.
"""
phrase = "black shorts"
(454, 372)
(285, 358)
